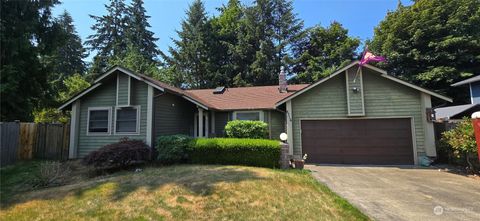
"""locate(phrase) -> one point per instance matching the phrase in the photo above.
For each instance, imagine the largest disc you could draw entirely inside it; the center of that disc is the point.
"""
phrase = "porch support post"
(213, 123)
(74, 123)
(200, 122)
(289, 118)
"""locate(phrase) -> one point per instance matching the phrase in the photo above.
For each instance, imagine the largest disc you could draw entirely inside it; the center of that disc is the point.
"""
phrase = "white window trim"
(109, 128)
(260, 114)
(137, 128)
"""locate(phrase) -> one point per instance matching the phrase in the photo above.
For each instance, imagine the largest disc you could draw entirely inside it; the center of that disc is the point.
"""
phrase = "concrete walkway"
(403, 193)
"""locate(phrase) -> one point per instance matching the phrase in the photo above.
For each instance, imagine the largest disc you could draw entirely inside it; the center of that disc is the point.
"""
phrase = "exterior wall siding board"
(277, 124)
(383, 98)
(123, 89)
(355, 98)
(327, 100)
(221, 119)
(105, 96)
(173, 115)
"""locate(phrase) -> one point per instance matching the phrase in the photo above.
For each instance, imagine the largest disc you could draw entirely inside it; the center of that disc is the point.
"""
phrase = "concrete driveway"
(403, 193)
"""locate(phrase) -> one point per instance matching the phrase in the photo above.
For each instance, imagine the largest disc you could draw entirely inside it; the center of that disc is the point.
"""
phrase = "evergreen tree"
(139, 35)
(268, 31)
(256, 47)
(288, 30)
(225, 28)
(321, 51)
(110, 35)
(432, 43)
(193, 51)
(26, 28)
(69, 54)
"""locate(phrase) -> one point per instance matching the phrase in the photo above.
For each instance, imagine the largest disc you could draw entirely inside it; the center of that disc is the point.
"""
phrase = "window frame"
(137, 125)
(109, 128)
(261, 116)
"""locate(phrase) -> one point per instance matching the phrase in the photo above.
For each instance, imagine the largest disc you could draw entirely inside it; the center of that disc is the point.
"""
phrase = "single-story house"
(458, 112)
(353, 116)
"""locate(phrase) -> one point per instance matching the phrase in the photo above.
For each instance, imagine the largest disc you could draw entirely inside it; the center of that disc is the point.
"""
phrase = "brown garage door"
(358, 141)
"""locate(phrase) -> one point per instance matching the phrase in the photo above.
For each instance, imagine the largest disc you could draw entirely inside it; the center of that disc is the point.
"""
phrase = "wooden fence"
(26, 141)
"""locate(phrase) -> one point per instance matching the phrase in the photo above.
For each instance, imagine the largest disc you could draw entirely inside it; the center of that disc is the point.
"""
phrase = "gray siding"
(383, 98)
(173, 115)
(277, 124)
(327, 100)
(221, 119)
(123, 89)
(105, 96)
(274, 119)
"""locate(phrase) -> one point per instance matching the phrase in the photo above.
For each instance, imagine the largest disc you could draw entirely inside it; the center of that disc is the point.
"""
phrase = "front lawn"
(184, 192)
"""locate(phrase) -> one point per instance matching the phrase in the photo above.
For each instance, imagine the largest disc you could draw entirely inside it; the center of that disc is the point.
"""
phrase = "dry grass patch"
(187, 192)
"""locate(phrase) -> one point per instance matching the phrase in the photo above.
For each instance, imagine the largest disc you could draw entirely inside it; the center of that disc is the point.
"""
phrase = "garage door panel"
(359, 141)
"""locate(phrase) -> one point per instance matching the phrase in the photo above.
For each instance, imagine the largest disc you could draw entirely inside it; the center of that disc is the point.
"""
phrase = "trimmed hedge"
(246, 129)
(234, 151)
(173, 149)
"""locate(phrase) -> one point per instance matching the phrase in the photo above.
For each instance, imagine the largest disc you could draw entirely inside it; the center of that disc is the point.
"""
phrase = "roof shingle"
(244, 98)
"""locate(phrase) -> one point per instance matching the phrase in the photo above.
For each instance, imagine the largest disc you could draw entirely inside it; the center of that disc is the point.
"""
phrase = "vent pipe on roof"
(282, 81)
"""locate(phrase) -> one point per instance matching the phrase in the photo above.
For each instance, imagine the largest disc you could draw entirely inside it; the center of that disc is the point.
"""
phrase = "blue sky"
(358, 16)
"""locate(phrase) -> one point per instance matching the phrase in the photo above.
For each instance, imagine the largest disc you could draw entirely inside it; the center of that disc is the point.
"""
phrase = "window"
(127, 120)
(250, 115)
(98, 120)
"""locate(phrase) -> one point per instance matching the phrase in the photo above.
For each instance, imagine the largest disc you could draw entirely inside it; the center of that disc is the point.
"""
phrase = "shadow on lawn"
(199, 180)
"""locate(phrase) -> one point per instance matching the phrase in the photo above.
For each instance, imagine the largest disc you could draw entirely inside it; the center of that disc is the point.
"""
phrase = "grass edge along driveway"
(183, 192)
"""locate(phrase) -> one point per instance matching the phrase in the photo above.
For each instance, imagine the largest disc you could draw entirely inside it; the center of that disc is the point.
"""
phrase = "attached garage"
(358, 141)
(361, 115)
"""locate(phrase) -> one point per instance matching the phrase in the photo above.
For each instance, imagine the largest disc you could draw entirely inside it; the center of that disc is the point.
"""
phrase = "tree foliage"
(68, 57)
(461, 140)
(110, 34)
(321, 51)
(72, 85)
(27, 38)
(192, 53)
(139, 35)
(432, 43)
(121, 36)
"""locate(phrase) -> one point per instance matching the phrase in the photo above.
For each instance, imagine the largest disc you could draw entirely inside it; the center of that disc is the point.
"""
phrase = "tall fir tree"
(26, 39)
(288, 30)
(321, 51)
(138, 34)
(68, 57)
(268, 31)
(192, 53)
(110, 35)
(225, 28)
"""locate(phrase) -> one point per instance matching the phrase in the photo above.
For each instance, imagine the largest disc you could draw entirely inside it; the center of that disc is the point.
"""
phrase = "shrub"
(119, 155)
(249, 152)
(172, 149)
(461, 141)
(51, 173)
(246, 129)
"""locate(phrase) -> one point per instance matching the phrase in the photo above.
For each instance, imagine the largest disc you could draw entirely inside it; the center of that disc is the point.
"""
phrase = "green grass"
(184, 192)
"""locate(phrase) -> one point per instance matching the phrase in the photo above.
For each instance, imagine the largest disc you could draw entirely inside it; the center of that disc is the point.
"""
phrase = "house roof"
(383, 74)
(244, 98)
(467, 81)
(454, 112)
(241, 98)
